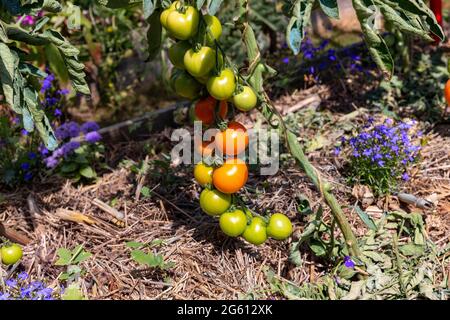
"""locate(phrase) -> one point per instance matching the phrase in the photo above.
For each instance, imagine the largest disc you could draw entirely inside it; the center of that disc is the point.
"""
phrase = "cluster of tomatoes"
(10, 253)
(202, 75)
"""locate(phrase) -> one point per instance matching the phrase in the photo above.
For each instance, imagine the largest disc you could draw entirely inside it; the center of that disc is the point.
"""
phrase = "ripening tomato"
(200, 63)
(279, 227)
(245, 100)
(203, 174)
(165, 13)
(233, 223)
(214, 202)
(10, 254)
(183, 24)
(214, 29)
(233, 140)
(255, 232)
(177, 52)
(447, 92)
(186, 86)
(205, 110)
(222, 86)
(205, 148)
(231, 176)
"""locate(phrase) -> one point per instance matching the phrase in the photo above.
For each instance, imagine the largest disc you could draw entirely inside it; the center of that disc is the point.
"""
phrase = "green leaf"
(13, 6)
(318, 248)
(154, 34)
(82, 256)
(52, 6)
(366, 11)
(330, 8)
(9, 61)
(149, 7)
(301, 16)
(116, 4)
(69, 167)
(134, 244)
(29, 69)
(142, 258)
(145, 191)
(412, 249)
(64, 257)
(88, 172)
(366, 218)
(73, 292)
(200, 4)
(214, 6)
(56, 61)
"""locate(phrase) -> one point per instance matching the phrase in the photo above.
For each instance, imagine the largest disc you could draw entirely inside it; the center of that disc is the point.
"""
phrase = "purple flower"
(4, 296)
(405, 176)
(286, 60)
(89, 127)
(332, 55)
(93, 137)
(22, 276)
(51, 162)
(63, 92)
(69, 147)
(24, 132)
(43, 150)
(58, 112)
(337, 151)
(73, 128)
(28, 176)
(25, 166)
(47, 83)
(32, 155)
(348, 262)
(11, 283)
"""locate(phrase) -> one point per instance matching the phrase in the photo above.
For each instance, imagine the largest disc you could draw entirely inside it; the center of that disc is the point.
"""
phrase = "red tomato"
(231, 176)
(205, 110)
(233, 140)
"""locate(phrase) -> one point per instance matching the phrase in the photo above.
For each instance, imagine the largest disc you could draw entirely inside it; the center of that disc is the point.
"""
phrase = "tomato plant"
(203, 174)
(279, 227)
(233, 223)
(245, 100)
(231, 176)
(177, 52)
(256, 232)
(222, 86)
(214, 202)
(205, 110)
(11, 253)
(182, 23)
(233, 140)
(185, 85)
(200, 63)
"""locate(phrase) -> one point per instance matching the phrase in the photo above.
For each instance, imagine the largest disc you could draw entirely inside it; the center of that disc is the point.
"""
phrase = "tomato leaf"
(64, 257)
(116, 4)
(149, 7)
(300, 18)
(88, 172)
(134, 244)
(330, 8)
(214, 6)
(154, 35)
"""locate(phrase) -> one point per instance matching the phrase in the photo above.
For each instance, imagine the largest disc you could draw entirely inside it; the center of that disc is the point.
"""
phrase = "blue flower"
(51, 162)
(89, 127)
(11, 283)
(4, 296)
(24, 132)
(69, 147)
(58, 112)
(47, 83)
(25, 166)
(32, 155)
(28, 176)
(348, 262)
(286, 60)
(405, 176)
(22, 276)
(93, 137)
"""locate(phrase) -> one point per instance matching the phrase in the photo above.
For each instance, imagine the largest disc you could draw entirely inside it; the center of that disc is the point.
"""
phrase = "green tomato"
(245, 100)
(279, 227)
(186, 86)
(256, 233)
(165, 13)
(222, 86)
(10, 254)
(214, 29)
(214, 202)
(200, 63)
(233, 223)
(177, 52)
(183, 25)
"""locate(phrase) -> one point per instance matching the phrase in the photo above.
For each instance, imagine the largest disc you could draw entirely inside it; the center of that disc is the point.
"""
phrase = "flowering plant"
(22, 288)
(74, 159)
(380, 155)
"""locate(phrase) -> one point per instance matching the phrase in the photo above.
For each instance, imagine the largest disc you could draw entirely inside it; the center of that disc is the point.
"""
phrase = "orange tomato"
(205, 109)
(231, 176)
(205, 148)
(447, 92)
(233, 140)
